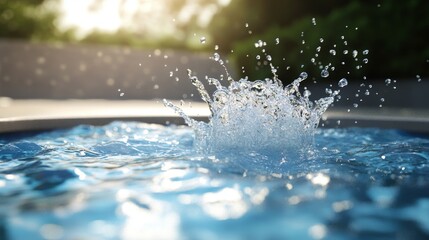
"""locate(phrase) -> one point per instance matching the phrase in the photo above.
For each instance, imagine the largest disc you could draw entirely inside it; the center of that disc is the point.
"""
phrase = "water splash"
(261, 116)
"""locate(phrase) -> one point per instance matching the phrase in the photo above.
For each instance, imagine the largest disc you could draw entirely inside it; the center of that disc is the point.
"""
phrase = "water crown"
(261, 116)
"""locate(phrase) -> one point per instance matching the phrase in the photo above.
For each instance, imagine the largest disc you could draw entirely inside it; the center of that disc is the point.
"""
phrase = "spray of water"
(261, 116)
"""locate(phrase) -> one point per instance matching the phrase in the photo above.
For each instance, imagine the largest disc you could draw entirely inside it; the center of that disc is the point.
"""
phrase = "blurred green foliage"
(395, 33)
(26, 19)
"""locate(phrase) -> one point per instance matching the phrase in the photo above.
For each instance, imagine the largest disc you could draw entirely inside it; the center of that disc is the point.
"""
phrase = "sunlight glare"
(152, 18)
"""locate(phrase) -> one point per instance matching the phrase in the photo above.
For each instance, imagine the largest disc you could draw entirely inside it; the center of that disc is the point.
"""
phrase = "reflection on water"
(141, 181)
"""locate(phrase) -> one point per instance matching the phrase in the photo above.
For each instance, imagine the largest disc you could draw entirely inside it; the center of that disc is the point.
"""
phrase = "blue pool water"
(130, 180)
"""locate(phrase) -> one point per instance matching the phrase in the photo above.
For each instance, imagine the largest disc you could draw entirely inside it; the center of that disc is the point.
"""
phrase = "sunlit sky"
(153, 17)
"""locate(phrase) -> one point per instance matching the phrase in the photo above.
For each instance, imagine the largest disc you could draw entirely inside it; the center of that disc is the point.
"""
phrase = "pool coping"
(40, 114)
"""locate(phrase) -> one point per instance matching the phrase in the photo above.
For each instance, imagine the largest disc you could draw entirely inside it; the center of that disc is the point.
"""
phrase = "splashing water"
(259, 116)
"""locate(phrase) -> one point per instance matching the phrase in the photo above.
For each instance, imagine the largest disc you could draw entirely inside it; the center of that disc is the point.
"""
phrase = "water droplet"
(156, 86)
(171, 74)
(345, 51)
(313, 20)
(324, 73)
(382, 99)
(216, 47)
(318, 48)
(246, 25)
(269, 58)
(333, 52)
(419, 79)
(343, 82)
(367, 92)
(365, 60)
(355, 105)
(303, 42)
(365, 52)
(258, 57)
(303, 75)
(355, 53)
(388, 81)
(277, 40)
(122, 94)
(306, 93)
(313, 60)
(216, 57)
(328, 91)
(321, 40)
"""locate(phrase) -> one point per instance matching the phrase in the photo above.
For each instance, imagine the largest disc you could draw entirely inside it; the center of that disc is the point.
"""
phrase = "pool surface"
(130, 180)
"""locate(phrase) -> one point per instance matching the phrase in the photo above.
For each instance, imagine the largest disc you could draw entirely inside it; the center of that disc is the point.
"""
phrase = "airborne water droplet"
(203, 40)
(388, 81)
(324, 73)
(365, 52)
(303, 76)
(333, 52)
(419, 79)
(277, 40)
(269, 58)
(216, 57)
(343, 82)
(306, 93)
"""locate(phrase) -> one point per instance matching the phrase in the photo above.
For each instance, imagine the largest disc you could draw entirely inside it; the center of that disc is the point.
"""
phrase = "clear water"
(131, 180)
(262, 116)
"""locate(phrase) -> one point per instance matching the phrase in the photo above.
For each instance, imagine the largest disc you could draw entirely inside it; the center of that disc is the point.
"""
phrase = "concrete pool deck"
(37, 114)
